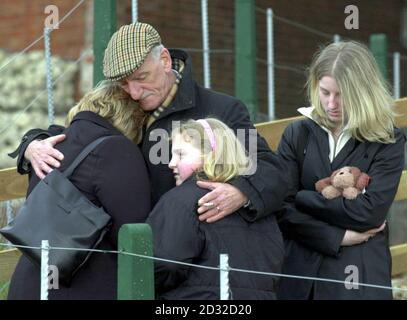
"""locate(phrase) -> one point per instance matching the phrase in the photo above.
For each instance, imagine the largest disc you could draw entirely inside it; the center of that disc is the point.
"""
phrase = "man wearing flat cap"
(161, 81)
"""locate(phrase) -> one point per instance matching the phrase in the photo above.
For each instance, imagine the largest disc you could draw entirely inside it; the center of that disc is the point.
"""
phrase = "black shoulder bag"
(57, 211)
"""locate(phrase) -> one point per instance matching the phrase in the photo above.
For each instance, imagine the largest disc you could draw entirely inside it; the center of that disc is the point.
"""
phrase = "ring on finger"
(209, 204)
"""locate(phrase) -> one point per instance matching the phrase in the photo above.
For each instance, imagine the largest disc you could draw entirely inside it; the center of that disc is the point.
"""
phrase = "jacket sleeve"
(121, 183)
(368, 210)
(23, 166)
(266, 184)
(177, 236)
(295, 224)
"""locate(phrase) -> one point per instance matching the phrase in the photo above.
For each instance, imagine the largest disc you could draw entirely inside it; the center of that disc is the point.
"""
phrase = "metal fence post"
(270, 65)
(48, 74)
(134, 11)
(396, 75)
(337, 38)
(135, 275)
(224, 276)
(44, 269)
(205, 44)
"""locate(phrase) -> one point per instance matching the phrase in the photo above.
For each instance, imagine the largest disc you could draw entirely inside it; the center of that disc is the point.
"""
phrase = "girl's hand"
(352, 238)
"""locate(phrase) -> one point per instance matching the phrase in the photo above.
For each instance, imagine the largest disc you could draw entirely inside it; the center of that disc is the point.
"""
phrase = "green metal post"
(104, 25)
(135, 275)
(378, 46)
(245, 55)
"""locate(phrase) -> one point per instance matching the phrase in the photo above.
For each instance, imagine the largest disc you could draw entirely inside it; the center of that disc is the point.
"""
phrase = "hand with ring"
(211, 205)
(223, 200)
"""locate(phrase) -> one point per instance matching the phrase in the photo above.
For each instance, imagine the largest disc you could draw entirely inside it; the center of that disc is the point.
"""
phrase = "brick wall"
(295, 47)
(179, 23)
(22, 21)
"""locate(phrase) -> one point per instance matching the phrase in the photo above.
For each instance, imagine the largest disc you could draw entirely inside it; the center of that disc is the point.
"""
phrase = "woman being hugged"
(113, 176)
(350, 123)
(208, 150)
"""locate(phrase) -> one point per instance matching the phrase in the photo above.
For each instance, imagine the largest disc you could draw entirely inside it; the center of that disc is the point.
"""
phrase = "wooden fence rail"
(13, 186)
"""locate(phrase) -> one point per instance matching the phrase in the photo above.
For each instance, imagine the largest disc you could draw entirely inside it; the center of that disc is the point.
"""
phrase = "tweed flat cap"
(128, 48)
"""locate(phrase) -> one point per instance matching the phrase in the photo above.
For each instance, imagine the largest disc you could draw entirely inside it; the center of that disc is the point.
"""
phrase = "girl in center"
(208, 150)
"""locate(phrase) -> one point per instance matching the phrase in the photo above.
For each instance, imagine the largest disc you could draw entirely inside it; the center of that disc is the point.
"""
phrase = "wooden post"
(135, 274)
(399, 259)
(12, 184)
(104, 25)
(245, 55)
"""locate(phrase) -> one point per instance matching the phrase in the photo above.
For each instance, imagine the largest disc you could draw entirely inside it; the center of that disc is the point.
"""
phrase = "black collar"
(97, 119)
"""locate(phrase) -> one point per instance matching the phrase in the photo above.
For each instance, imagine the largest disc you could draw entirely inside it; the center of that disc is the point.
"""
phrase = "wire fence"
(297, 69)
(16, 117)
(11, 117)
(291, 77)
(32, 44)
(272, 274)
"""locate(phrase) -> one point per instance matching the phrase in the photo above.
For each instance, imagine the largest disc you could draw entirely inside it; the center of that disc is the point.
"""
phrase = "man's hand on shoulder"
(223, 200)
(43, 156)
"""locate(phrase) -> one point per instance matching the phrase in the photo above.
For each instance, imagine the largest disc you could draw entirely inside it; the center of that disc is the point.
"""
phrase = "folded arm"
(368, 210)
(295, 224)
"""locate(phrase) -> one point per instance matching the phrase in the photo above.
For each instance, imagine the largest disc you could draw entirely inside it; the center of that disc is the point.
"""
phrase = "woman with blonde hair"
(208, 150)
(112, 176)
(350, 123)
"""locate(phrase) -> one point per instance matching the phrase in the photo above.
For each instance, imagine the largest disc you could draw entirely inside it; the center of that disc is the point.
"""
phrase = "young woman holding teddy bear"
(350, 123)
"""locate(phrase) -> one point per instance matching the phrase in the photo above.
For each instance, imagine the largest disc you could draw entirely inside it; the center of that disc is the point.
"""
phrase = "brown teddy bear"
(347, 181)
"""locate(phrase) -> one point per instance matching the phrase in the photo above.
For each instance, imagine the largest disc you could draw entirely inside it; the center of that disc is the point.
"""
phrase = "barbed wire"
(215, 51)
(217, 268)
(17, 116)
(70, 12)
(228, 51)
(4, 65)
(298, 25)
(263, 61)
(283, 66)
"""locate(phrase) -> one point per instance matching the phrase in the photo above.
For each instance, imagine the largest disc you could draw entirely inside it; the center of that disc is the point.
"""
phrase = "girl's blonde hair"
(111, 102)
(367, 105)
(229, 158)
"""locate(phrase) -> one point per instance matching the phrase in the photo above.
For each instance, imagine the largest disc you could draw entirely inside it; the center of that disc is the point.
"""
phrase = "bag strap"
(84, 153)
(301, 145)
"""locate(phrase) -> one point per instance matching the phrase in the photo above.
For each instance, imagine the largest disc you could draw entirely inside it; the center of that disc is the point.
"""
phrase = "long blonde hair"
(111, 102)
(229, 158)
(366, 102)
